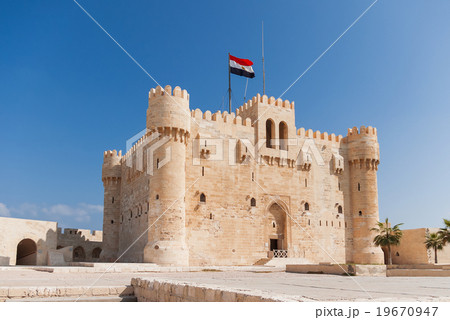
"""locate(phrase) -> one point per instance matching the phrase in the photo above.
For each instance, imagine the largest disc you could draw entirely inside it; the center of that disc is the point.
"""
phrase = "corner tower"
(364, 157)
(111, 177)
(168, 114)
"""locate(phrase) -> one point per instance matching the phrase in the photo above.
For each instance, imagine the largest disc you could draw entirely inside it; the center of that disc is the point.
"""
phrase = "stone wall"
(412, 249)
(42, 237)
(86, 244)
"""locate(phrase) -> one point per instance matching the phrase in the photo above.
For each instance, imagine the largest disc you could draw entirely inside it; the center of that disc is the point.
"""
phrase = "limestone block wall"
(412, 249)
(86, 244)
(42, 233)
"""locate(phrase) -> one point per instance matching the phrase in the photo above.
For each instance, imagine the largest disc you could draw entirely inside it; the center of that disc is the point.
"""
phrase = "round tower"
(168, 114)
(111, 177)
(364, 155)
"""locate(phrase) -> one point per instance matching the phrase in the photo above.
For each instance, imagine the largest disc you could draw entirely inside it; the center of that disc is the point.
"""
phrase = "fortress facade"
(232, 189)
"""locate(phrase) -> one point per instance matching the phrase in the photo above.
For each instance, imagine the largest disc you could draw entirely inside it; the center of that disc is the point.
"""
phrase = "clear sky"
(67, 91)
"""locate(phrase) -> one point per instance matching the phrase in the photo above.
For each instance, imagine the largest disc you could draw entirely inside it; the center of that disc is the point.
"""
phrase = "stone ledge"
(41, 292)
(159, 290)
(339, 269)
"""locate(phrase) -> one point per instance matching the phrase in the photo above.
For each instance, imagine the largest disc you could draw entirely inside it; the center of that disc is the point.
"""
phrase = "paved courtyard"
(305, 287)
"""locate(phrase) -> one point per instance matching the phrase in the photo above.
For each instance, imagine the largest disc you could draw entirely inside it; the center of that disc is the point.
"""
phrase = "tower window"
(320, 223)
(360, 213)
(253, 202)
(253, 176)
(359, 186)
(112, 200)
(339, 186)
(326, 223)
(112, 221)
(283, 132)
(309, 222)
(157, 197)
(270, 132)
(202, 198)
(210, 216)
(306, 206)
(339, 224)
(203, 171)
(340, 209)
(274, 225)
(131, 213)
(157, 163)
(306, 183)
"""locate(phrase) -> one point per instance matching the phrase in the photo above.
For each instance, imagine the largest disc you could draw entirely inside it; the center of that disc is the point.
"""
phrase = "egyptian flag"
(241, 67)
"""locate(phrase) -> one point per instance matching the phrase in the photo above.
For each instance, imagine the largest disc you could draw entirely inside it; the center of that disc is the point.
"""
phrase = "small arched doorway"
(79, 254)
(96, 253)
(26, 253)
(276, 228)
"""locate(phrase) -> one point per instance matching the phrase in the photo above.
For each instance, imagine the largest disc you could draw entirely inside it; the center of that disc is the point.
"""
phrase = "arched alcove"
(79, 254)
(283, 132)
(270, 133)
(26, 253)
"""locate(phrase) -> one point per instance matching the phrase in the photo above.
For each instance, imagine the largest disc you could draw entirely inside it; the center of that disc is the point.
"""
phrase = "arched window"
(283, 135)
(96, 253)
(360, 213)
(202, 198)
(340, 209)
(78, 254)
(157, 197)
(253, 202)
(306, 206)
(270, 133)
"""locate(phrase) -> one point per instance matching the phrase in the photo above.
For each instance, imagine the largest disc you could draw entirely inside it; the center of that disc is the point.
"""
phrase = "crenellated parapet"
(219, 117)
(363, 148)
(111, 169)
(317, 135)
(285, 104)
(168, 112)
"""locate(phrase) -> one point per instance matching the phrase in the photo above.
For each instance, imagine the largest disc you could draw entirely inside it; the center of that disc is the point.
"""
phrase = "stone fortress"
(213, 198)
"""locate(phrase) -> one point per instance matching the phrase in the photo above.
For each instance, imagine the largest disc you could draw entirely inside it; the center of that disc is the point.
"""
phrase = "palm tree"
(435, 241)
(445, 232)
(387, 236)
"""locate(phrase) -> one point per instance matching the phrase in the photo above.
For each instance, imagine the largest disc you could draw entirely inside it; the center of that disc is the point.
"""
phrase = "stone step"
(73, 299)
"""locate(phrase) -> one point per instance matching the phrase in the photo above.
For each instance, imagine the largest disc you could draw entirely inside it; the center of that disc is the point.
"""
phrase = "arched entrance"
(276, 228)
(79, 254)
(26, 253)
(96, 253)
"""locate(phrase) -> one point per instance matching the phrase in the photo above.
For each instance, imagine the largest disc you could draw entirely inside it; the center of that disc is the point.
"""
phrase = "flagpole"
(264, 71)
(229, 84)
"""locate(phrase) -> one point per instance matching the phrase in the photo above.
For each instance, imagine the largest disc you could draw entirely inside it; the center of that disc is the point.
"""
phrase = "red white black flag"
(241, 67)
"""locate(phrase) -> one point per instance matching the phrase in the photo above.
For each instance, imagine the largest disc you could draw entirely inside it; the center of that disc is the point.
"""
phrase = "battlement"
(91, 235)
(265, 100)
(159, 91)
(324, 136)
(224, 117)
(112, 153)
(363, 131)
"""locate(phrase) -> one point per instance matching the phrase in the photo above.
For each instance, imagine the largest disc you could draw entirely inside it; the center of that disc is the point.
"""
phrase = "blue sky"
(67, 92)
